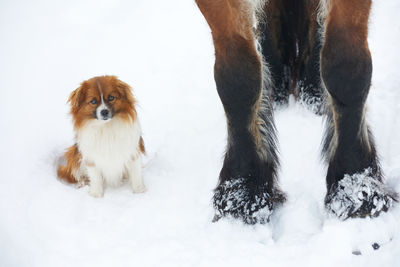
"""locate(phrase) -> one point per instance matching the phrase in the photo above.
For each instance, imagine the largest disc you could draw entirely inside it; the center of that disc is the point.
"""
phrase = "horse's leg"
(246, 187)
(279, 48)
(309, 49)
(354, 179)
(291, 44)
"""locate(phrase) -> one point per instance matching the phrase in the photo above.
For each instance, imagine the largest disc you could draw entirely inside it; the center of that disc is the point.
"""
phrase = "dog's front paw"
(235, 198)
(96, 192)
(359, 195)
(137, 189)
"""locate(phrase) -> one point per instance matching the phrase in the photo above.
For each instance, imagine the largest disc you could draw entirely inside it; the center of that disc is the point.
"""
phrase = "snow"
(231, 199)
(163, 49)
(360, 191)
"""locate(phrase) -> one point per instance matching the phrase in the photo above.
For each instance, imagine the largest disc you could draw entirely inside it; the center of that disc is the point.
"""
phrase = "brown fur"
(141, 146)
(236, 24)
(348, 20)
(346, 33)
(82, 110)
(232, 34)
(73, 160)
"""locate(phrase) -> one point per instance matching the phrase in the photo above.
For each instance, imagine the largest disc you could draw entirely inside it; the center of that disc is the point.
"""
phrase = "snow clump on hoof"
(233, 198)
(359, 195)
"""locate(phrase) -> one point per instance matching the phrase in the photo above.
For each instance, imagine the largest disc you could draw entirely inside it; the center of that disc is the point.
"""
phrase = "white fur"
(135, 176)
(100, 108)
(323, 10)
(110, 151)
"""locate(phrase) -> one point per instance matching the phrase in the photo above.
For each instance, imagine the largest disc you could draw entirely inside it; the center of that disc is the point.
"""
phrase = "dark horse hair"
(316, 50)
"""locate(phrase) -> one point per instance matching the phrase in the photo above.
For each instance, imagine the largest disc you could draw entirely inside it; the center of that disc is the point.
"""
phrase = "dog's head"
(102, 98)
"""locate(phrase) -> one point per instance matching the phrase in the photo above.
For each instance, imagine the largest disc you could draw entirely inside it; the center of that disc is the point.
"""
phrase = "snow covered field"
(164, 50)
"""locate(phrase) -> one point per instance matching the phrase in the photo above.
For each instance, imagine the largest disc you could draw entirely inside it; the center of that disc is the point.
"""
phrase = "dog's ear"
(125, 91)
(77, 97)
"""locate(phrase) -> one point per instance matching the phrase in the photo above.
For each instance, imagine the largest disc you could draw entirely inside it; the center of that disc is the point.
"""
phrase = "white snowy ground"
(164, 50)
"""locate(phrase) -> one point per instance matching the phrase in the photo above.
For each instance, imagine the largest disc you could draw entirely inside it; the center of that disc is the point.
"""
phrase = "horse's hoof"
(359, 196)
(234, 198)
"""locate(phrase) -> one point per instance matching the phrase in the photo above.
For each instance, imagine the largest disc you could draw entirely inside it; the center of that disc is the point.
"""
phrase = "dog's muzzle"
(103, 113)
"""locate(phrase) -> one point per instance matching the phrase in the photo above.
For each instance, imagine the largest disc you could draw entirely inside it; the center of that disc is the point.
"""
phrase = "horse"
(317, 51)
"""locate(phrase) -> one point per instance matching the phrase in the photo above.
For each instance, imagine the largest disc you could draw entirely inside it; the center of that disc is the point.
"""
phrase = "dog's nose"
(104, 112)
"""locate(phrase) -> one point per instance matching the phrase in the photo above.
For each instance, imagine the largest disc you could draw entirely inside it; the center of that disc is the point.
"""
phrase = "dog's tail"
(70, 172)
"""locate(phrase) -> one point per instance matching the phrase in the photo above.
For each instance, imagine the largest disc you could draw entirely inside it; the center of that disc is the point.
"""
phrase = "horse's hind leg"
(310, 90)
(278, 45)
(354, 179)
(291, 44)
(246, 187)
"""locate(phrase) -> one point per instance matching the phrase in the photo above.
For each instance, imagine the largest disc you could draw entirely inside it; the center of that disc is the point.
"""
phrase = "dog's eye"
(93, 101)
(111, 98)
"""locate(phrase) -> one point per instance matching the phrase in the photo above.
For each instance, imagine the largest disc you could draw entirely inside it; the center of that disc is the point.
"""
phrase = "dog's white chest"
(109, 146)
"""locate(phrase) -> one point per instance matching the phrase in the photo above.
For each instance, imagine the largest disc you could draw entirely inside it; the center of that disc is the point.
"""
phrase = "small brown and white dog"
(109, 145)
